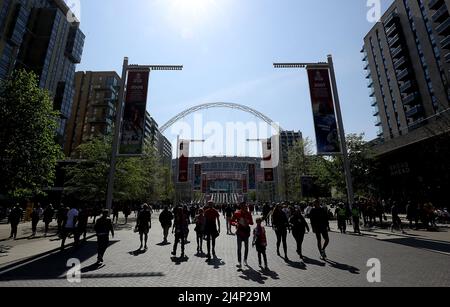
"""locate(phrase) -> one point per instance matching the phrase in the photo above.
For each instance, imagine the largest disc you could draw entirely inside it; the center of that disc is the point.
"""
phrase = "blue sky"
(227, 48)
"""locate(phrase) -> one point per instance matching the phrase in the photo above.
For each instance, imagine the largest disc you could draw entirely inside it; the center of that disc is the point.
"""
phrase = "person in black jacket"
(165, 218)
(103, 227)
(280, 224)
(14, 218)
(299, 227)
(319, 224)
(49, 212)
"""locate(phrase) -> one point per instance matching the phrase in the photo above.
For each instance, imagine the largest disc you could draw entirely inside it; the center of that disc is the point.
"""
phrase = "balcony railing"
(443, 28)
(406, 86)
(447, 58)
(394, 40)
(434, 4)
(402, 74)
(414, 112)
(391, 30)
(440, 14)
(395, 52)
(399, 63)
(410, 99)
(390, 19)
(445, 43)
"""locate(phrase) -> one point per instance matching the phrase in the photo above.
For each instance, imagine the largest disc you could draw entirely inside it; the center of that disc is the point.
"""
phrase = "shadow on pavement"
(435, 246)
(251, 275)
(179, 260)
(215, 262)
(93, 267)
(138, 252)
(296, 265)
(313, 262)
(48, 265)
(163, 244)
(341, 266)
(269, 273)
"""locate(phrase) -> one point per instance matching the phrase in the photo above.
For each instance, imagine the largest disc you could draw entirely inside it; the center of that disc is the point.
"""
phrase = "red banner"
(183, 161)
(323, 110)
(204, 184)
(244, 184)
(268, 174)
(133, 127)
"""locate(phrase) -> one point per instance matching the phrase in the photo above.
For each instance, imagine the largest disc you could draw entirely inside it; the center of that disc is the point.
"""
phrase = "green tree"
(28, 151)
(139, 179)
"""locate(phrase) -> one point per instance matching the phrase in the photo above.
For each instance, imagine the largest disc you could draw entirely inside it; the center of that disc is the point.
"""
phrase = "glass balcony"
(400, 63)
(395, 52)
(394, 41)
(410, 99)
(440, 14)
(390, 20)
(445, 43)
(434, 4)
(406, 86)
(444, 27)
(402, 74)
(391, 30)
(447, 58)
(414, 112)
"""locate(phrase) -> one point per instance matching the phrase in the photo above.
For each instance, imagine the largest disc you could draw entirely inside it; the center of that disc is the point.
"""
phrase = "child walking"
(260, 241)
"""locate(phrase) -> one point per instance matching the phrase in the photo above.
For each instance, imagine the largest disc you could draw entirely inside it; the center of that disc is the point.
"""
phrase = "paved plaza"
(415, 259)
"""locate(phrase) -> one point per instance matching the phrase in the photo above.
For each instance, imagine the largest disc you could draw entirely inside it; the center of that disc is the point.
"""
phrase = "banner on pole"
(204, 184)
(133, 127)
(324, 112)
(197, 176)
(252, 176)
(183, 160)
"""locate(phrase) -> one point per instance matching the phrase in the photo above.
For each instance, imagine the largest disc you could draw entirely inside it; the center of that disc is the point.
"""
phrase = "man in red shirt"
(243, 219)
(212, 230)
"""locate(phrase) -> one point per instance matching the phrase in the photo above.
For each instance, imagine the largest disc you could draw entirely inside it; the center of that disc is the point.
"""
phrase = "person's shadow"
(93, 267)
(215, 262)
(179, 260)
(313, 261)
(296, 265)
(138, 252)
(250, 274)
(344, 267)
(269, 273)
(200, 255)
(163, 244)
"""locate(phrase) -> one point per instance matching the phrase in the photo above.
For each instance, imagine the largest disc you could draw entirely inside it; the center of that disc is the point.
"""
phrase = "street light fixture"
(329, 65)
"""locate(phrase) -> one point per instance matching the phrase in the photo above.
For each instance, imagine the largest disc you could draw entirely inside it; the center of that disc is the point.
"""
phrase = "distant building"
(159, 142)
(288, 139)
(407, 59)
(94, 107)
(37, 36)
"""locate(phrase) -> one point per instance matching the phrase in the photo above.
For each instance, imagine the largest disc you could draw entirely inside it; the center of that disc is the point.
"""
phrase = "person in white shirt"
(70, 226)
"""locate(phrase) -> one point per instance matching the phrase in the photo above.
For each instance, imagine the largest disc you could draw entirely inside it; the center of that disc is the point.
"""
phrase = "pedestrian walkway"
(402, 263)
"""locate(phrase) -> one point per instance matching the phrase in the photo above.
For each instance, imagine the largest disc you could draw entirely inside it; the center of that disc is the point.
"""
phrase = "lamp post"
(329, 65)
(119, 117)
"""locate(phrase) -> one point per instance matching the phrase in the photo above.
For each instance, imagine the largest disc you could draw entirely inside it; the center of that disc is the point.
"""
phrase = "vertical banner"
(244, 184)
(267, 160)
(323, 110)
(252, 177)
(204, 184)
(133, 127)
(268, 174)
(197, 176)
(183, 160)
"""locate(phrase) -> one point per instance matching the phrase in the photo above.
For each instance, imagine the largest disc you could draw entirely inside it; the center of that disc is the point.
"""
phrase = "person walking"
(280, 224)
(102, 228)
(35, 217)
(243, 220)
(396, 221)
(165, 218)
(260, 241)
(212, 230)
(70, 226)
(341, 215)
(61, 216)
(115, 210)
(266, 214)
(200, 222)
(14, 218)
(48, 214)
(228, 216)
(411, 213)
(319, 224)
(143, 225)
(83, 218)
(299, 227)
(126, 212)
(355, 217)
(180, 228)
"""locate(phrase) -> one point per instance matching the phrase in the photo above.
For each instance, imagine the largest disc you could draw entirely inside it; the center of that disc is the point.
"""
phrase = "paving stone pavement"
(405, 261)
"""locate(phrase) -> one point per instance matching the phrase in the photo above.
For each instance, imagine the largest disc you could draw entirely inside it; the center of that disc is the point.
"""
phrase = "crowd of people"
(283, 218)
